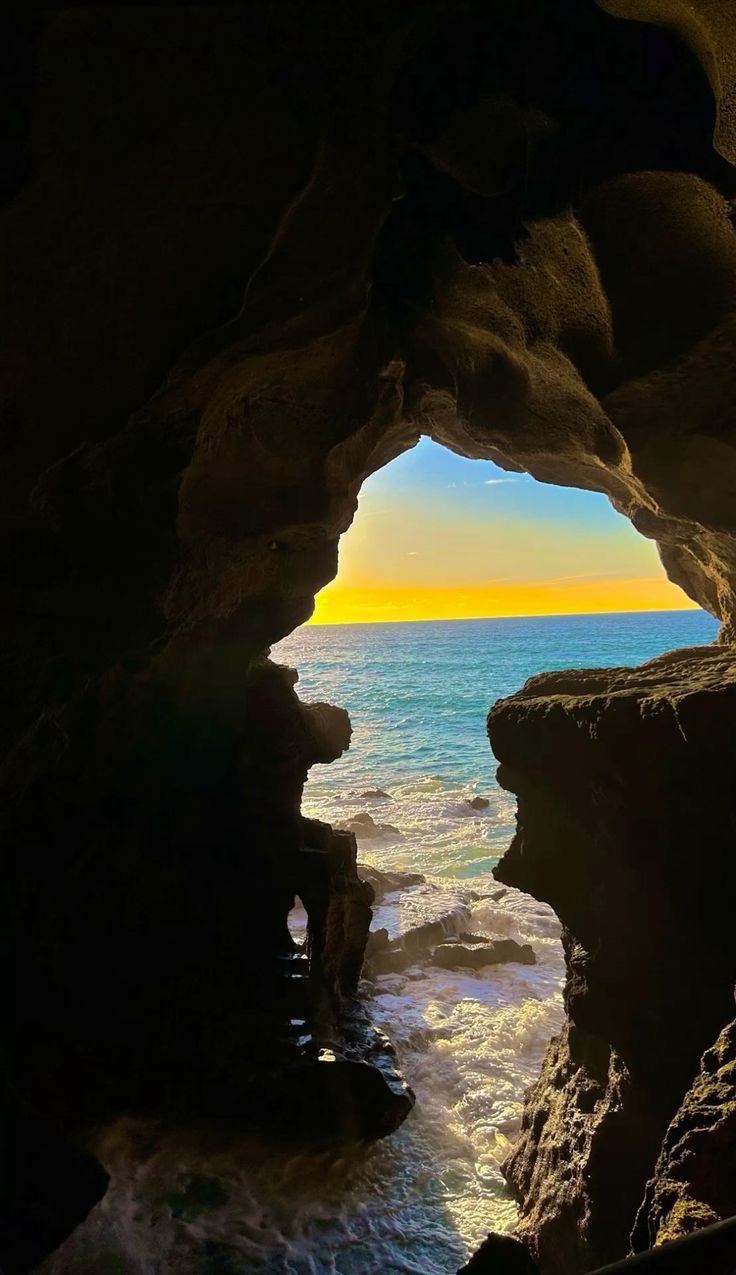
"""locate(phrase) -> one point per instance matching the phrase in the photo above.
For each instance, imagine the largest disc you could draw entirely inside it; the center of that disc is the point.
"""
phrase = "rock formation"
(692, 1185)
(251, 253)
(620, 776)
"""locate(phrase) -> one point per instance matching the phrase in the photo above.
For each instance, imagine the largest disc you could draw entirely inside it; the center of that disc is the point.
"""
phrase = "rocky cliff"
(250, 253)
(622, 783)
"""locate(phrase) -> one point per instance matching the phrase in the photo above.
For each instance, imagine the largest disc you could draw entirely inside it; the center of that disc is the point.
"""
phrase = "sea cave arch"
(253, 252)
(573, 852)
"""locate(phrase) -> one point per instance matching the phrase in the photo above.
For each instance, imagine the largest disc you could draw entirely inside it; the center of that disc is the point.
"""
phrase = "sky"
(437, 536)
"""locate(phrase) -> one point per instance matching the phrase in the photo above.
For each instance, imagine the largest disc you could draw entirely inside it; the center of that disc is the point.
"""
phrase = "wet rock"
(378, 941)
(338, 906)
(478, 803)
(384, 883)
(375, 794)
(364, 826)
(337, 1098)
(501, 1255)
(452, 956)
(391, 958)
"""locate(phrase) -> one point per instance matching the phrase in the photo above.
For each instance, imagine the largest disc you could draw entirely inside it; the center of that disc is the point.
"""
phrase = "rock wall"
(692, 1185)
(623, 799)
(251, 252)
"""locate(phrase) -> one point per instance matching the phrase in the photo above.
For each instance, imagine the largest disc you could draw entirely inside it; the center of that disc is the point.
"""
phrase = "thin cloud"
(484, 482)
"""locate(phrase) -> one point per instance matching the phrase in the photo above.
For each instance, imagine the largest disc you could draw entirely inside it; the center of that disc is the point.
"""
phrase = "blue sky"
(437, 535)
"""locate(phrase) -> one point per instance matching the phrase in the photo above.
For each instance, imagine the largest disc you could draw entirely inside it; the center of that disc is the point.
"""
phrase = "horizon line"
(534, 615)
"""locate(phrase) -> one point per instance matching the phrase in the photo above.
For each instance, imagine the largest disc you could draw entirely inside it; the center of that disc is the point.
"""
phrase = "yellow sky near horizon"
(437, 536)
(339, 604)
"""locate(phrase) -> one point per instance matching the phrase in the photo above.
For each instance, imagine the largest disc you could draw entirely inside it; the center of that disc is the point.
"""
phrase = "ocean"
(418, 694)
(469, 1041)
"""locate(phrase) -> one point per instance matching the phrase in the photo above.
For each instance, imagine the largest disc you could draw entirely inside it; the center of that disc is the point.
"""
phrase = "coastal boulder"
(452, 956)
(364, 827)
(386, 882)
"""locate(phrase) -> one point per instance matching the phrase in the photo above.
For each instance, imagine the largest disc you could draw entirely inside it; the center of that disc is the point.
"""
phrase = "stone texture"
(620, 775)
(251, 252)
(694, 1181)
(384, 883)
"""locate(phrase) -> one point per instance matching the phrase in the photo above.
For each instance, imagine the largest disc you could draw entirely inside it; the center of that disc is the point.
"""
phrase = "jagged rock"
(501, 1255)
(619, 773)
(451, 956)
(694, 1181)
(414, 945)
(330, 731)
(341, 1089)
(338, 906)
(269, 282)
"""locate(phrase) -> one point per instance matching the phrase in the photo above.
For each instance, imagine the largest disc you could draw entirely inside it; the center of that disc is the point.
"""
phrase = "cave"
(253, 252)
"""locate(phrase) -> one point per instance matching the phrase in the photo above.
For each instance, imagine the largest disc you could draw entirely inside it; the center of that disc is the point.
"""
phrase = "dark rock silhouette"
(619, 775)
(384, 883)
(501, 1255)
(252, 253)
(364, 826)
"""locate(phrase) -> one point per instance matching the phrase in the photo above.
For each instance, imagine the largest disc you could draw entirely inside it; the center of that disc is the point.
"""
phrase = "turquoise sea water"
(418, 694)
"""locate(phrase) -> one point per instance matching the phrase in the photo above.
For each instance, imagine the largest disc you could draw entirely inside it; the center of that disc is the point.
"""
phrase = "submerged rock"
(364, 825)
(375, 794)
(452, 956)
(478, 803)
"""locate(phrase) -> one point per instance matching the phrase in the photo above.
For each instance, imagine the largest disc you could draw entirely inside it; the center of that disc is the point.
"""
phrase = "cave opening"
(542, 576)
(256, 252)
(463, 972)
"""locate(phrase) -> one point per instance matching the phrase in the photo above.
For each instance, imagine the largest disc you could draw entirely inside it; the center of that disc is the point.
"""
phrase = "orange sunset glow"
(343, 605)
(438, 536)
